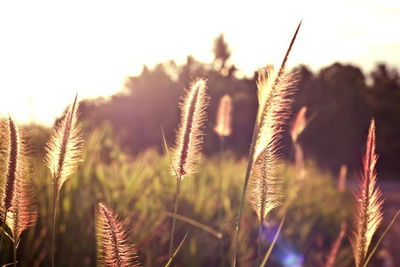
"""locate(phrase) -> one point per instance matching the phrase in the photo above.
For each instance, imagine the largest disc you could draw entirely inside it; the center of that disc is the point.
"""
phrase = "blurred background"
(130, 62)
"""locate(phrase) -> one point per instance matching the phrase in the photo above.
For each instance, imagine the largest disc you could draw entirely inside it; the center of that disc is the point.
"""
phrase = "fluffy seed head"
(19, 207)
(368, 203)
(224, 117)
(14, 153)
(64, 147)
(299, 124)
(113, 250)
(274, 98)
(190, 135)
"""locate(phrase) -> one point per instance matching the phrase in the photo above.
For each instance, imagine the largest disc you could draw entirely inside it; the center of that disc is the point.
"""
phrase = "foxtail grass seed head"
(189, 137)
(298, 125)
(368, 203)
(14, 153)
(18, 199)
(274, 96)
(223, 125)
(274, 99)
(266, 184)
(64, 147)
(113, 249)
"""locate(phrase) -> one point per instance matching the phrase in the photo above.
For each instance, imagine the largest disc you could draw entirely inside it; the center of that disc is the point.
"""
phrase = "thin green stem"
(273, 242)
(177, 250)
(54, 224)
(220, 206)
(259, 243)
(15, 252)
(380, 239)
(171, 244)
(246, 180)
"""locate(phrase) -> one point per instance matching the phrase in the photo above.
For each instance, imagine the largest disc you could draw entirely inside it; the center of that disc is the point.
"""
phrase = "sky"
(51, 50)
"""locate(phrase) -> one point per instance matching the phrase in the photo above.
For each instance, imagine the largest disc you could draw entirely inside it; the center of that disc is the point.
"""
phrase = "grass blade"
(196, 224)
(380, 239)
(273, 243)
(177, 250)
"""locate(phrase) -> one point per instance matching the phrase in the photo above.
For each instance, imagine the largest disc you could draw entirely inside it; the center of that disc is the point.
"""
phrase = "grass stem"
(171, 244)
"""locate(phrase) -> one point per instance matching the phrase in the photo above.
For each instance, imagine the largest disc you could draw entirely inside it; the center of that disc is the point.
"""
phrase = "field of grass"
(140, 189)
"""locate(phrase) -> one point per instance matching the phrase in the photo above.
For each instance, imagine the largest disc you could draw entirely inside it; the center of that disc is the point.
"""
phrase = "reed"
(113, 249)
(268, 83)
(63, 152)
(368, 203)
(189, 140)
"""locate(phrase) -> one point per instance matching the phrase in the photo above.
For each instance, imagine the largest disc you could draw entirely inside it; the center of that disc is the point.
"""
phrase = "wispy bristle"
(113, 250)
(330, 261)
(20, 209)
(275, 101)
(13, 163)
(190, 135)
(368, 203)
(275, 110)
(266, 185)
(299, 124)
(223, 125)
(64, 147)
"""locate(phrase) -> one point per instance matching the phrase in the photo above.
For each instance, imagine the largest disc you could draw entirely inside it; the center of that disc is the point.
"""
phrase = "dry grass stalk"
(269, 82)
(223, 125)
(63, 154)
(113, 249)
(266, 185)
(65, 147)
(188, 140)
(190, 136)
(20, 211)
(368, 203)
(330, 261)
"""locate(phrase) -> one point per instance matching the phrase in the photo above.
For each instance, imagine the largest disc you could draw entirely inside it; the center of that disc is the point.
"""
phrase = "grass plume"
(223, 125)
(113, 249)
(268, 82)
(20, 211)
(190, 135)
(63, 154)
(368, 203)
(189, 139)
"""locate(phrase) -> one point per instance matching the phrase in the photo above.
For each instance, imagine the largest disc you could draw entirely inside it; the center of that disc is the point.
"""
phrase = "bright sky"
(51, 50)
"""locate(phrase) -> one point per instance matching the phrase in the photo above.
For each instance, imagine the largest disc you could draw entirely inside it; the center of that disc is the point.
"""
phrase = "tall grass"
(141, 190)
(368, 203)
(20, 210)
(266, 95)
(189, 140)
(63, 153)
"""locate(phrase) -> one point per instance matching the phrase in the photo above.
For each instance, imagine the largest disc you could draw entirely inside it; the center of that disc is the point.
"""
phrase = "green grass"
(141, 189)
